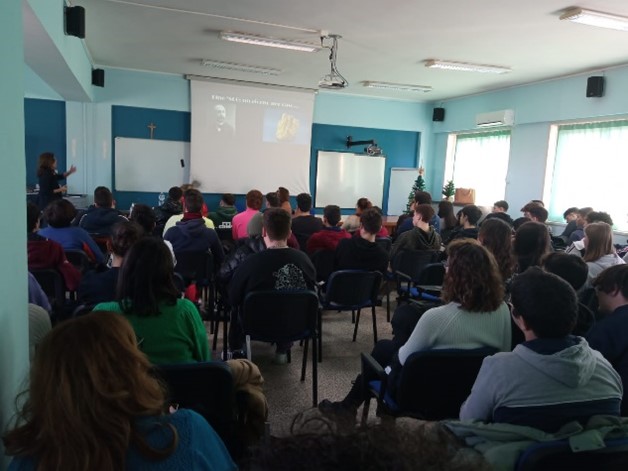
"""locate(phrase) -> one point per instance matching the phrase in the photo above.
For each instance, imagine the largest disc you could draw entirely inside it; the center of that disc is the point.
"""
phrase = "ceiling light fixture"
(595, 18)
(397, 86)
(253, 69)
(269, 42)
(466, 67)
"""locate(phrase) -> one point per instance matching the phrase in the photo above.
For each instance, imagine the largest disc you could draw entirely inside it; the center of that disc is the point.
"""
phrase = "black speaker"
(595, 86)
(438, 114)
(75, 21)
(98, 77)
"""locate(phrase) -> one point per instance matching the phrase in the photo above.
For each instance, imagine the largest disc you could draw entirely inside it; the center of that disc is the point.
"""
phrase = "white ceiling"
(380, 41)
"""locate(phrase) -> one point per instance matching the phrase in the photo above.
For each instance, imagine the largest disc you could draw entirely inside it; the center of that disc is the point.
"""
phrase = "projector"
(373, 150)
(332, 82)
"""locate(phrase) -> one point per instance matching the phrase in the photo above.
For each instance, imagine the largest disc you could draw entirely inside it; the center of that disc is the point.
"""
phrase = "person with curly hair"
(93, 403)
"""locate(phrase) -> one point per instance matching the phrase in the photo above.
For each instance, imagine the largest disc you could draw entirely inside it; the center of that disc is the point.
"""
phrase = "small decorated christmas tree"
(419, 185)
(449, 190)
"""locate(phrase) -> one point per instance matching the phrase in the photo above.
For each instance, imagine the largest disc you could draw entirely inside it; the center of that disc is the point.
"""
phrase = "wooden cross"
(152, 128)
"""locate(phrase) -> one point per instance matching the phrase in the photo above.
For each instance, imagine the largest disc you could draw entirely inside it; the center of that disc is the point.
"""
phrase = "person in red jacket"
(328, 237)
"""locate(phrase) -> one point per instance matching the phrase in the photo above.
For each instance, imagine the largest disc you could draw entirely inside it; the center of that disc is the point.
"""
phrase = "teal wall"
(13, 275)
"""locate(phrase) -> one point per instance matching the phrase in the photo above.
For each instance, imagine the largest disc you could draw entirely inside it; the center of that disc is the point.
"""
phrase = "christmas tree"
(449, 189)
(419, 185)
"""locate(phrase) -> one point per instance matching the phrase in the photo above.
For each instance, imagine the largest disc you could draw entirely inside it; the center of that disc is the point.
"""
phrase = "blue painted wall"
(400, 147)
(44, 122)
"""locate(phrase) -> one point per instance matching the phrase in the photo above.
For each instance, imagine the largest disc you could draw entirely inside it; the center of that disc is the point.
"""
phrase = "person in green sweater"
(169, 329)
(225, 212)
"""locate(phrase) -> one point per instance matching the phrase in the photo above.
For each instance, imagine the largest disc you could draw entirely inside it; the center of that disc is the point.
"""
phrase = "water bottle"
(162, 198)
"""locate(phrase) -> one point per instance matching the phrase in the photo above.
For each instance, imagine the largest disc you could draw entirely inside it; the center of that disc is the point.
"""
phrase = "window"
(589, 167)
(480, 161)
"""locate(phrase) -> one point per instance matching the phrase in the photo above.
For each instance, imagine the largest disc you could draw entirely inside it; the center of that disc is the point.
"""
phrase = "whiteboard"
(150, 165)
(401, 182)
(342, 178)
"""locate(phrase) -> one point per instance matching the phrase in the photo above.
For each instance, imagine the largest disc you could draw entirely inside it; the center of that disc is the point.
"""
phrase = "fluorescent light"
(596, 18)
(466, 67)
(270, 42)
(398, 86)
(253, 69)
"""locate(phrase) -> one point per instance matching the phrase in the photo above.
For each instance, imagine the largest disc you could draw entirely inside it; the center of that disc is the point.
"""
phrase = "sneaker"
(280, 359)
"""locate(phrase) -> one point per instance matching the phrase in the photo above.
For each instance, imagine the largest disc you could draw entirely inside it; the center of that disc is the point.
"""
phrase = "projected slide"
(249, 137)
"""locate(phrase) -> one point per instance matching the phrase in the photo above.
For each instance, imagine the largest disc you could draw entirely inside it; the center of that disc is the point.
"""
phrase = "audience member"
(284, 199)
(59, 215)
(578, 232)
(144, 215)
(422, 236)
(94, 403)
(195, 212)
(570, 216)
(48, 179)
(330, 235)
(225, 212)
(39, 324)
(98, 286)
(191, 233)
(496, 236)
(448, 220)
(255, 225)
(420, 197)
(517, 223)
(468, 219)
(44, 253)
(474, 316)
(609, 335)
(599, 250)
(305, 224)
(194, 186)
(102, 215)
(532, 242)
(500, 211)
(241, 220)
(577, 246)
(352, 223)
(171, 207)
(362, 252)
(553, 377)
(169, 329)
(36, 294)
(279, 267)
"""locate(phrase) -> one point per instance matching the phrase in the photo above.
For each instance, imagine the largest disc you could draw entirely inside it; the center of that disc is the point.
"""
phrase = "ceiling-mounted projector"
(334, 79)
(332, 82)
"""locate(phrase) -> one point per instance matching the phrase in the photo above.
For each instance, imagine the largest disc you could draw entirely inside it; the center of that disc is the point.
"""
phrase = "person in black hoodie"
(171, 207)
(100, 218)
(422, 236)
(468, 218)
(362, 252)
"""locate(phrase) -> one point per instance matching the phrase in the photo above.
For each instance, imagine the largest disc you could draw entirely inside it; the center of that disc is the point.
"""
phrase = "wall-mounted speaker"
(438, 114)
(595, 86)
(75, 21)
(98, 77)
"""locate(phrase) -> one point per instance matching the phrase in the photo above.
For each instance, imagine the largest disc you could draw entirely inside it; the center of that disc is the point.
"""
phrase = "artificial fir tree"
(449, 190)
(419, 185)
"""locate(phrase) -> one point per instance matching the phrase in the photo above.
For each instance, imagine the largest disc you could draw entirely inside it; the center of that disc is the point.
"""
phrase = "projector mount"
(371, 149)
(334, 80)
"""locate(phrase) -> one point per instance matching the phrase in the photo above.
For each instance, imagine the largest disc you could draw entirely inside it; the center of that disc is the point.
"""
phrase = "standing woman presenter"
(49, 188)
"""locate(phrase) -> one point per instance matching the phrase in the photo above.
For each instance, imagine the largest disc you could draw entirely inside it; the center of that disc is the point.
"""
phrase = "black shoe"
(338, 411)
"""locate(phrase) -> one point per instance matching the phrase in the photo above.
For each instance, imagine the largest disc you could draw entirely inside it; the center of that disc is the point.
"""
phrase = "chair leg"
(388, 303)
(248, 347)
(353, 316)
(357, 322)
(320, 335)
(225, 335)
(304, 364)
(216, 327)
(289, 355)
(374, 324)
(365, 410)
(314, 373)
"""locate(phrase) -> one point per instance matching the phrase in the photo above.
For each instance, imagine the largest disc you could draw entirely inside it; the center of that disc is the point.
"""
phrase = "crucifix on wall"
(152, 128)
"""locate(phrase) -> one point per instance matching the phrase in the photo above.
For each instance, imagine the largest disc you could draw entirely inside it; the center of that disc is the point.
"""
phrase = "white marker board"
(343, 177)
(401, 181)
(150, 165)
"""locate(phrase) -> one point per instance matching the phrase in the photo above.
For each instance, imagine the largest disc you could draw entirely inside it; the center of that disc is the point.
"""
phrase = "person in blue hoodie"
(100, 218)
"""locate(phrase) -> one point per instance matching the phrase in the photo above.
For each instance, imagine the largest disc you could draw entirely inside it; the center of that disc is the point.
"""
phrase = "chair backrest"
(431, 274)
(385, 243)
(435, 383)
(195, 266)
(101, 241)
(557, 455)
(52, 283)
(353, 289)
(79, 259)
(280, 315)
(413, 262)
(205, 387)
(323, 261)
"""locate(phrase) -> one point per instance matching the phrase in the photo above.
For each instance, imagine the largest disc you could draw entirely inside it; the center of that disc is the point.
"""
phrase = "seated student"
(39, 324)
(279, 268)
(362, 252)
(553, 377)
(225, 212)
(500, 211)
(98, 286)
(102, 215)
(144, 215)
(305, 224)
(191, 232)
(475, 316)
(59, 215)
(570, 216)
(496, 236)
(172, 206)
(330, 235)
(241, 220)
(169, 329)
(420, 197)
(197, 211)
(94, 403)
(468, 217)
(531, 243)
(581, 220)
(284, 199)
(609, 335)
(255, 226)
(422, 236)
(352, 223)
(577, 247)
(448, 220)
(192, 186)
(36, 295)
(599, 250)
(44, 253)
